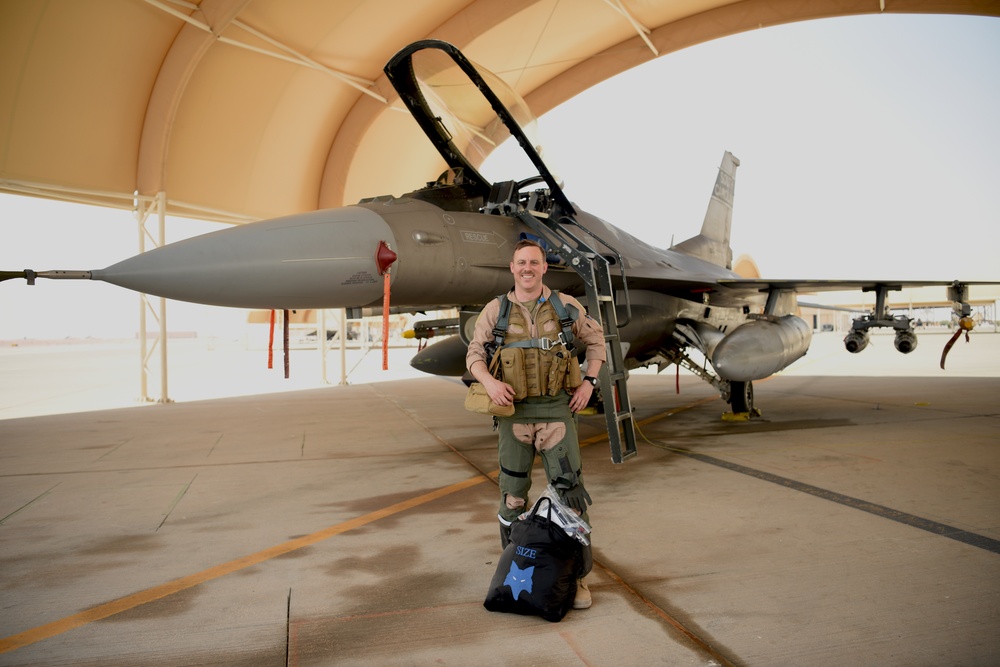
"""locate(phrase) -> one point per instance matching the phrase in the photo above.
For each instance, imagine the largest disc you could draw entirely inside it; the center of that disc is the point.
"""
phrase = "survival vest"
(542, 366)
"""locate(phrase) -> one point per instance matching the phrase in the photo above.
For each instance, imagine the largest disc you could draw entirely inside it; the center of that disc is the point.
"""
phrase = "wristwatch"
(591, 379)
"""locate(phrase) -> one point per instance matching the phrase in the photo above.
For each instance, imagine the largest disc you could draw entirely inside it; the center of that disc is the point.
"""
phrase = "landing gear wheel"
(741, 396)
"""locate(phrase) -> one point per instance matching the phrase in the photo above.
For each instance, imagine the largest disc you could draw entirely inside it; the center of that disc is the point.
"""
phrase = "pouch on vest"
(512, 362)
(574, 378)
(558, 372)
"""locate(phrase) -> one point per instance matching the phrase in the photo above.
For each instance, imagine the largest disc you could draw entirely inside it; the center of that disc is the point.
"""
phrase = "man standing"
(541, 378)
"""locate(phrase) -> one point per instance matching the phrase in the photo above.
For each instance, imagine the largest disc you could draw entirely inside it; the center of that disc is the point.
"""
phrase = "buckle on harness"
(546, 344)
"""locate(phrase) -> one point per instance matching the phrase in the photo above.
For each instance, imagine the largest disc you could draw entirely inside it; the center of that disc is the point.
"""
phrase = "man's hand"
(581, 397)
(500, 392)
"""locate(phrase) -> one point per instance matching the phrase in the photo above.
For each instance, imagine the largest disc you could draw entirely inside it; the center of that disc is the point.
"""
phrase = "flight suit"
(542, 421)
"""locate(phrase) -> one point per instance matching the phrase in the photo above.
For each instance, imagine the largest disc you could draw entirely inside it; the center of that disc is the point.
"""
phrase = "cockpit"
(466, 112)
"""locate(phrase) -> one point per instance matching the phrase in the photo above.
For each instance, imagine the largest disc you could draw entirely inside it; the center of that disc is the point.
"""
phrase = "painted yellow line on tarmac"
(157, 592)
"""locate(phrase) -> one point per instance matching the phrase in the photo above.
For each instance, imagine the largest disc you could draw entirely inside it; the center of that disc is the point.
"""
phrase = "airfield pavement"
(857, 521)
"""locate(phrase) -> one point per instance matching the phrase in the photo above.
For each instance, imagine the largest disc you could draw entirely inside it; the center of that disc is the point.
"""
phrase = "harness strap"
(503, 321)
(564, 320)
(540, 343)
(499, 329)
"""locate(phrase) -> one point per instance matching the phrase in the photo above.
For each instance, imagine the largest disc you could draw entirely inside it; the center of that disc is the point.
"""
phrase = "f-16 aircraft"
(448, 245)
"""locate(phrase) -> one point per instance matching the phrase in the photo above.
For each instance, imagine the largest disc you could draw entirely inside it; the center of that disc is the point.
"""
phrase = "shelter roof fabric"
(241, 110)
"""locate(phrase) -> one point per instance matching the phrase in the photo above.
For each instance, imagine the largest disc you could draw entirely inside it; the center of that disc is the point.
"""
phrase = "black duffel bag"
(538, 570)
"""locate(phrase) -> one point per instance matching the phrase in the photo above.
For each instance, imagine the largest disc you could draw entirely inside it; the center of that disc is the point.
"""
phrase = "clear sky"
(870, 148)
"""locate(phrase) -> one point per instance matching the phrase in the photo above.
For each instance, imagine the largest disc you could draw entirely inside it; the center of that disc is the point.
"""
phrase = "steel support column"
(142, 211)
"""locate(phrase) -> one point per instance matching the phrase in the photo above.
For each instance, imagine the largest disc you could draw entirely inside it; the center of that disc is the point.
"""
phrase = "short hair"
(528, 243)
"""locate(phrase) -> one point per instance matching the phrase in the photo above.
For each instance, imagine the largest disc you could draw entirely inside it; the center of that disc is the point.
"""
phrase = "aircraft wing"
(957, 290)
(812, 285)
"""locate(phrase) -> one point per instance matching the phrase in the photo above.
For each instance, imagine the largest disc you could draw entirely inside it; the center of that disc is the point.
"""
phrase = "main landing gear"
(739, 395)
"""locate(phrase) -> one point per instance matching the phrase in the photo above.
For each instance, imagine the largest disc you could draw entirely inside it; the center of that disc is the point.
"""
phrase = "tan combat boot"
(583, 598)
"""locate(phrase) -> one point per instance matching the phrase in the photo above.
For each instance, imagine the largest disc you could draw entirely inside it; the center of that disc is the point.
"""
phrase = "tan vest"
(531, 370)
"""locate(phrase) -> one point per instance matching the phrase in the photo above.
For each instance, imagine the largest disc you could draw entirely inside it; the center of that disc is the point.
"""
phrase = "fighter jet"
(448, 245)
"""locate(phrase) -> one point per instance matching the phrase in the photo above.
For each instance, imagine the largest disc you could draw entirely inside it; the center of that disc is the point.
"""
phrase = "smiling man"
(540, 377)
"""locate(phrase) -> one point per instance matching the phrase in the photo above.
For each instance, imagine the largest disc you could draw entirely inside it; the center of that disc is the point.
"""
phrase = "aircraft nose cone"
(321, 259)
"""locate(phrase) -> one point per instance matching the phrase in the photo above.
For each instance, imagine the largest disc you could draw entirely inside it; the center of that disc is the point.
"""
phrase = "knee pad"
(514, 502)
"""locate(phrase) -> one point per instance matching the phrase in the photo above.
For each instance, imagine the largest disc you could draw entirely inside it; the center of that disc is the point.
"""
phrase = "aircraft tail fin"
(712, 244)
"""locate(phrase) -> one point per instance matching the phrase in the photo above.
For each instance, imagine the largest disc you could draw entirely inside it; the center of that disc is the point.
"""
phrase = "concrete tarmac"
(856, 522)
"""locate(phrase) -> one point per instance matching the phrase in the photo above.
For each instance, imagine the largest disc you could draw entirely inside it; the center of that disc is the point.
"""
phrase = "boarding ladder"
(595, 271)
